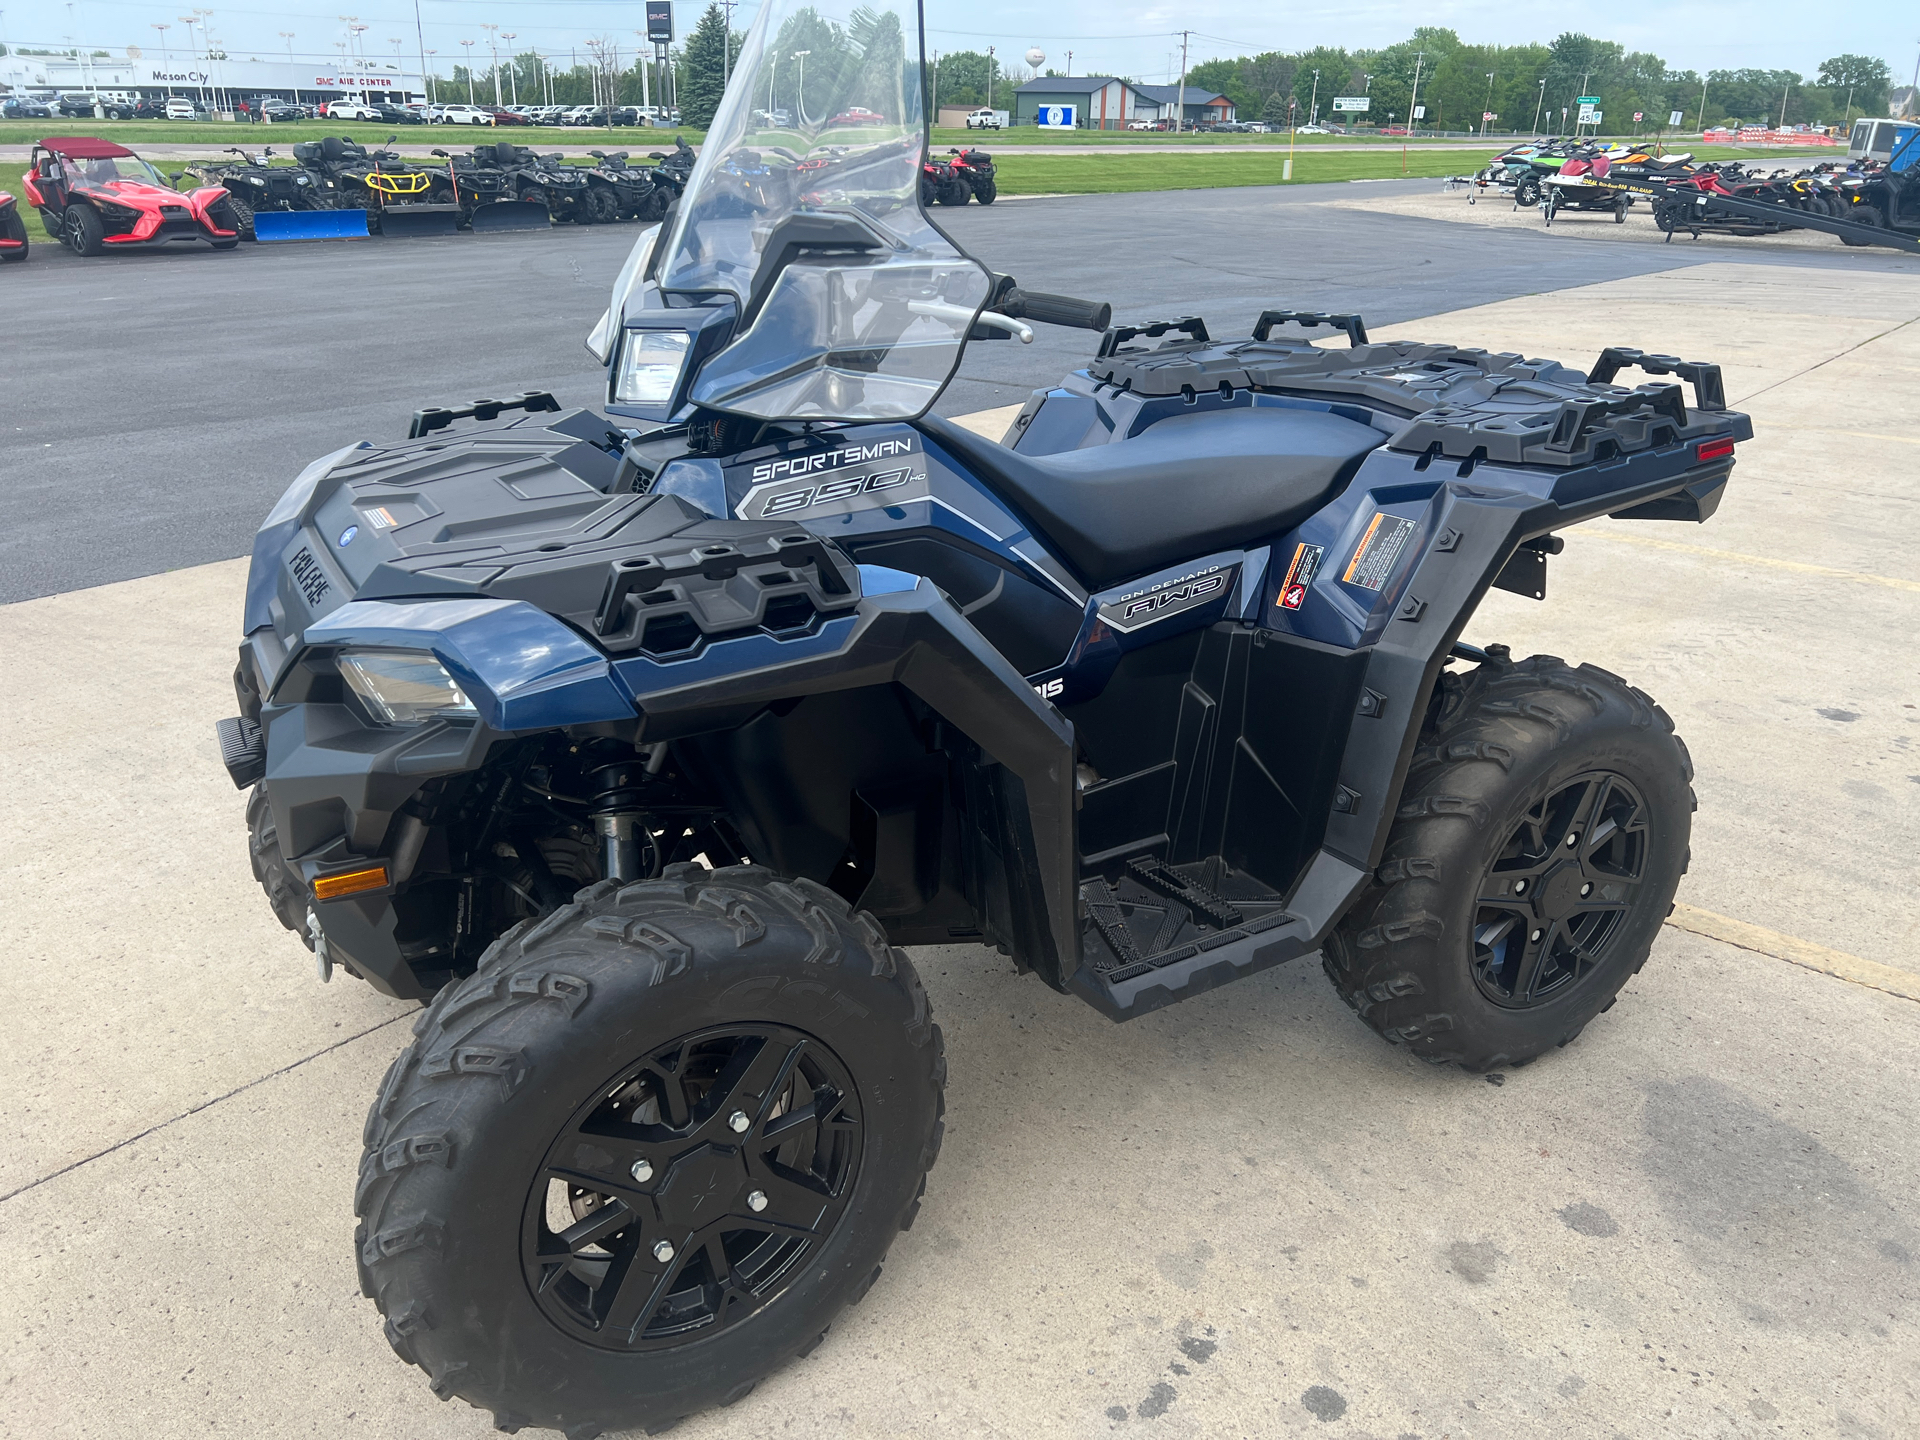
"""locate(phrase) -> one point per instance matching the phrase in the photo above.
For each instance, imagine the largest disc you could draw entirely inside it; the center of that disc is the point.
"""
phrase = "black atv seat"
(1186, 487)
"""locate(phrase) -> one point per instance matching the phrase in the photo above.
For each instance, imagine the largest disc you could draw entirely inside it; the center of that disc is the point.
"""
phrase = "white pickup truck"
(987, 120)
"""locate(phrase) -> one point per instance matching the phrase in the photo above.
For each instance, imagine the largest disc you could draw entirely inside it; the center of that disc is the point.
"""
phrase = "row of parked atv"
(965, 175)
(482, 189)
(1864, 201)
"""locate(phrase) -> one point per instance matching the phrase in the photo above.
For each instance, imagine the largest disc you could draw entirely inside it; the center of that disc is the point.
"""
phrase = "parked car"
(351, 110)
(1141, 124)
(465, 115)
(503, 116)
(1315, 130)
(181, 108)
(397, 114)
(858, 115)
(986, 119)
(25, 109)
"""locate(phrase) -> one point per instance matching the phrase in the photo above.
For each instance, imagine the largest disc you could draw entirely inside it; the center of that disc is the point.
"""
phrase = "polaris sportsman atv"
(638, 746)
(540, 180)
(622, 191)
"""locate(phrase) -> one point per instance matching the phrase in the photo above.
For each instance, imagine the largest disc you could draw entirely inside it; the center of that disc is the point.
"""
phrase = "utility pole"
(1313, 105)
(991, 67)
(726, 41)
(1180, 91)
(1069, 63)
(1537, 105)
(1413, 107)
(1703, 107)
(1486, 107)
(1783, 107)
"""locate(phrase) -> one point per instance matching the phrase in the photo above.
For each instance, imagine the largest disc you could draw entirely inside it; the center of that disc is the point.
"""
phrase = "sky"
(1103, 37)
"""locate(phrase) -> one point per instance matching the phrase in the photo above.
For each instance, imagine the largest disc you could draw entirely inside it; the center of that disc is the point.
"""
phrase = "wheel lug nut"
(738, 1122)
(663, 1250)
(643, 1170)
(757, 1200)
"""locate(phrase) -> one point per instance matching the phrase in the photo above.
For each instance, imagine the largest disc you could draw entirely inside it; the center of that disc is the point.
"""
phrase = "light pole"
(1703, 107)
(991, 67)
(1538, 105)
(190, 21)
(493, 45)
(354, 32)
(469, 45)
(1486, 107)
(1413, 104)
(166, 59)
(427, 75)
(800, 100)
(513, 63)
(1313, 104)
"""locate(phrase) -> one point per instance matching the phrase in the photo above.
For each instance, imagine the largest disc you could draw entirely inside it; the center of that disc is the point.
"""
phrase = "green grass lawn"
(1103, 174)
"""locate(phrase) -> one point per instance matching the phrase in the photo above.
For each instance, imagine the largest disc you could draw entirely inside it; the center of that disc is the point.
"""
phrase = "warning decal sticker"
(1379, 551)
(1306, 564)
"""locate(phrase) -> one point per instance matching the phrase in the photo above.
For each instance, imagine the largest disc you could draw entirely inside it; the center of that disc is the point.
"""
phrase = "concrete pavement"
(1241, 1216)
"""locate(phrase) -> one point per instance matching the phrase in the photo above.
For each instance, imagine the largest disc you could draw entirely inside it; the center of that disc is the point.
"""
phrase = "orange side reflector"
(349, 882)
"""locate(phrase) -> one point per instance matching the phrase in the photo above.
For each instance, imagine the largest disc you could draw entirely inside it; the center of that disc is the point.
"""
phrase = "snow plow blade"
(511, 215)
(310, 225)
(419, 222)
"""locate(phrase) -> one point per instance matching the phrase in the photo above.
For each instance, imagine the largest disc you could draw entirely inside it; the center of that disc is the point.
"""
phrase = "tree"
(705, 79)
(1274, 112)
(1867, 78)
(963, 79)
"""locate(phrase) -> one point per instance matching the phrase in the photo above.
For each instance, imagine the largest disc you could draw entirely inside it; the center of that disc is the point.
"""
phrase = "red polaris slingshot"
(95, 196)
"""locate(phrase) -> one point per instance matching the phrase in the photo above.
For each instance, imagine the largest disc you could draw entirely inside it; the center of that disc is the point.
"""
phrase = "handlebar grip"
(1057, 310)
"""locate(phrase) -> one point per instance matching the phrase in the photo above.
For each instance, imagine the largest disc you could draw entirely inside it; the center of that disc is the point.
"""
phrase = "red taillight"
(1714, 449)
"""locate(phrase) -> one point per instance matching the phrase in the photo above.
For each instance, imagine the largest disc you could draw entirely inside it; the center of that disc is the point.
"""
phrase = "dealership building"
(237, 77)
(1100, 102)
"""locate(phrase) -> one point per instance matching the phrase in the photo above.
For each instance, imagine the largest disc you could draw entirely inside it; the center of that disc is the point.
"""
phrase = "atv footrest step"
(1160, 932)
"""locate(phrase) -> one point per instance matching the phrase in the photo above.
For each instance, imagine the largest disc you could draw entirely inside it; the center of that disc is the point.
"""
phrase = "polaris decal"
(308, 575)
(819, 483)
(1167, 598)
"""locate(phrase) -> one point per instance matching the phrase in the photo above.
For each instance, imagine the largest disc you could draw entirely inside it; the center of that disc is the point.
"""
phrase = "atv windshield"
(804, 207)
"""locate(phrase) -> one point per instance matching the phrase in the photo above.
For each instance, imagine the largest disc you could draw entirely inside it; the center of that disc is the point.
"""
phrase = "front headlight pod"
(650, 366)
(404, 687)
(601, 338)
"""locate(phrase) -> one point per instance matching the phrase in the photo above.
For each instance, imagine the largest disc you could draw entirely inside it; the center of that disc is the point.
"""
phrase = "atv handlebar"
(1055, 309)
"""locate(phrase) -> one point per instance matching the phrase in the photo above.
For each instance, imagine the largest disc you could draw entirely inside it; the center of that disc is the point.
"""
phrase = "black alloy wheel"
(1553, 902)
(693, 1189)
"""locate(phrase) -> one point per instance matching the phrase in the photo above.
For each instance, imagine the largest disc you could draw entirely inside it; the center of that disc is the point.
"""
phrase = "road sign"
(1636, 117)
(1676, 117)
(1586, 100)
(660, 21)
(1358, 103)
(1488, 115)
(1588, 116)
(1056, 117)
(1419, 112)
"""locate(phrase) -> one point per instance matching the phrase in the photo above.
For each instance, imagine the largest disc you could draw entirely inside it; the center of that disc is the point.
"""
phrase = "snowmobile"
(637, 744)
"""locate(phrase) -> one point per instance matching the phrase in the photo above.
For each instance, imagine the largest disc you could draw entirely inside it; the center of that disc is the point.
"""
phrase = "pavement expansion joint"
(1798, 567)
(196, 1109)
(1870, 974)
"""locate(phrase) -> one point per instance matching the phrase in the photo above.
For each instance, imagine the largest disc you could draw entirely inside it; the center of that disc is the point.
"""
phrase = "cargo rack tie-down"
(438, 417)
(644, 574)
(1355, 327)
(1708, 391)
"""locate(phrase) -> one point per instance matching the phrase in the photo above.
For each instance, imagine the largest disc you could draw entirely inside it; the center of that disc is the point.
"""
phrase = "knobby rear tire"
(1500, 740)
(556, 1008)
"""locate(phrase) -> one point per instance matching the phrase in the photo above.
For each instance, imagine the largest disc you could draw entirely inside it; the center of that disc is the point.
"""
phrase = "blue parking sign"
(1056, 117)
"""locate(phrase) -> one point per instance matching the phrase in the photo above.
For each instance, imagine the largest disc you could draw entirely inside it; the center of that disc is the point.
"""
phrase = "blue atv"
(636, 745)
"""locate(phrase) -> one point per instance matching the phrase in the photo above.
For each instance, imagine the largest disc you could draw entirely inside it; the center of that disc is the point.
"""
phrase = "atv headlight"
(650, 365)
(404, 687)
(600, 339)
